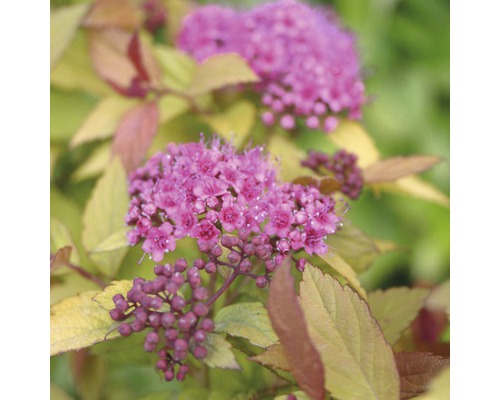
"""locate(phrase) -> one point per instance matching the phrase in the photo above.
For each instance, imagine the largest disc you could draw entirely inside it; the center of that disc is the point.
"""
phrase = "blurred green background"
(404, 46)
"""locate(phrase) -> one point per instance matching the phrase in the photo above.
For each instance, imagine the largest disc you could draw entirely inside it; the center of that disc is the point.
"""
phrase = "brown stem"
(85, 274)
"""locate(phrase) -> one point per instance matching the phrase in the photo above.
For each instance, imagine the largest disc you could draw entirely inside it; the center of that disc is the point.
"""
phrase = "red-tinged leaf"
(397, 167)
(135, 133)
(113, 14)
(61, 257)
(134, 53)
(108, 51)
(289, 324)
(427, 329)
(416, 369)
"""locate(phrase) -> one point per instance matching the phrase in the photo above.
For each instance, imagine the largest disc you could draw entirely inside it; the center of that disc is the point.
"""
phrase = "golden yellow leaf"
(439, 387)
(219, 71)
(64, 23)
(233, 124)
(177, 67)
(351, 136)
(78, 322)
(274, 357)
(103, 120)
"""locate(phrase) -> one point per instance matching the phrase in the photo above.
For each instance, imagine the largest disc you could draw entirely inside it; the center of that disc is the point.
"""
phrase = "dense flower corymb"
(307, 63)
(205, 191)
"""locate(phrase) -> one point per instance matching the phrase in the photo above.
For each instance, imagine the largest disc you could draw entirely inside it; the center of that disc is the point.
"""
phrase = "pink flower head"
(307, 63)
(207, 190)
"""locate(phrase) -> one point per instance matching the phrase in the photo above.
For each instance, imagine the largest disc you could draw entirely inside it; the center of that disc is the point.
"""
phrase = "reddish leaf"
(416, 369)
(108, 51)
(113, 14)
(61, 257)
(394, 168)
(289, 324)
(134, 54)
(427, 329)
(135, 133)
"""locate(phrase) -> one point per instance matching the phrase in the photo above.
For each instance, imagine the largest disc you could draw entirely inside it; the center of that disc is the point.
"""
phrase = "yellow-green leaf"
(354, 246)
(105, 298)
(396, 308)
(288, 156)
(298, 395)
(247, 320)
(274, 357)
(219, 353)
(219, 71)
(416, 187)
(75, 71)
(343, 268)
(171, 106)
(56, 393)
(78, 322)
(64, 22)
(95, 164)
(351, 136)
(104, 215)
(102, 122)
(397, 167)
(358, 362)
(116, 240)
(60, 237)
(177, 67)
(234, 123)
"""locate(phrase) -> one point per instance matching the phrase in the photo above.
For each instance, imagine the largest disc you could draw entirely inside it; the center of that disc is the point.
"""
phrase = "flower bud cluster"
(343, 166)
(203, 192)
(307, 63)
(173, 309)
(155, 15)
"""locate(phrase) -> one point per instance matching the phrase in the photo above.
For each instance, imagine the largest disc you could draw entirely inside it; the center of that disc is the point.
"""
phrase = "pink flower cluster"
(307, 63)
(219, 196)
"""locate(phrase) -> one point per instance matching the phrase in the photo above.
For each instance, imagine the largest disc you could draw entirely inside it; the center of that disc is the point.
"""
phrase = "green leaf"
(345, 270)
(64, 22)
(233, 124)
(358, 362)
(416, 369)
(439, 387)
(396, 308)
(354, 246)
(56, 393)
(219, 71)
(247, 320)
(126, 350)
(415, 186)
(103, 120)
(75, 71)
(104, 216)
(219, 353)
(394, 168)
(68, 111)
(78, 322)
(351, 136)
(288, 321)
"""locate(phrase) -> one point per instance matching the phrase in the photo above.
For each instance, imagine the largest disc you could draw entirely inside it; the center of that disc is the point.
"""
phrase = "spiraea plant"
(211, 193)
